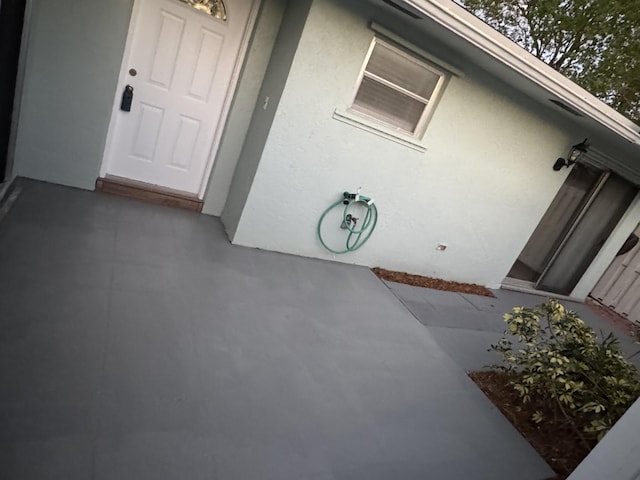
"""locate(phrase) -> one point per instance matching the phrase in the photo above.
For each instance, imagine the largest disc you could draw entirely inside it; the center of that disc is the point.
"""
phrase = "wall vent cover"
(402, 9)
(565, 107)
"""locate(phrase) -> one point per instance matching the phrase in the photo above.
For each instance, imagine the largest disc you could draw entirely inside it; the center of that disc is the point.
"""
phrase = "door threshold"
(523, 286)
(146, 192)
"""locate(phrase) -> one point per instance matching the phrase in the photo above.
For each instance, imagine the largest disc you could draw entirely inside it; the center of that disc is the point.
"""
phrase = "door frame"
(233, 85)
(17, 94)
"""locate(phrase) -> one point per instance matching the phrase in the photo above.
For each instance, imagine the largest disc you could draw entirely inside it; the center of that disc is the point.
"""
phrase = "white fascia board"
(470, 28)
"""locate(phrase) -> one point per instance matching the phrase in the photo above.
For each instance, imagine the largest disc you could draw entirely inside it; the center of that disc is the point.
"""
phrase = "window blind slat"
(395, 87)
(388, 105)
(402, 71)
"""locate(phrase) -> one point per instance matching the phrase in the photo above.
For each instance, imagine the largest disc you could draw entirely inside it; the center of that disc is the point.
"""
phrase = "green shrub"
(559, 359)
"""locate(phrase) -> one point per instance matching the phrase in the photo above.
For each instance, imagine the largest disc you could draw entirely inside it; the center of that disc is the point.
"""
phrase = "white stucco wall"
(275, 79)
(74, 54)
(481, 187)
(244, 102)
(616, 456)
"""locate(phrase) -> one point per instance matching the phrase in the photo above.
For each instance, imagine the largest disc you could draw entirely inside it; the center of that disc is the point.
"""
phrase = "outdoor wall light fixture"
(576, 153)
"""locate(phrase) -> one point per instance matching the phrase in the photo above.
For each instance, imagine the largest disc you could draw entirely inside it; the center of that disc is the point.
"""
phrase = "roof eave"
(466, 25)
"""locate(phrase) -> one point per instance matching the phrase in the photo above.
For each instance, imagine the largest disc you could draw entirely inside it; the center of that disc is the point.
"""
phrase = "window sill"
(377, 129)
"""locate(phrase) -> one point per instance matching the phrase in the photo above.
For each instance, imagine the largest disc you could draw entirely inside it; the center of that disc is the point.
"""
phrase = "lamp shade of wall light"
(576, 153)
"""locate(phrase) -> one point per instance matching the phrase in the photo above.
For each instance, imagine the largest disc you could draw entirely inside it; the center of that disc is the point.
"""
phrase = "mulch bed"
(434, 283)
(556, 443)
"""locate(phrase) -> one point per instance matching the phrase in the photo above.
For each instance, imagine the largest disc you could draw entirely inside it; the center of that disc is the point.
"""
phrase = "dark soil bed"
(435, 283)
(615, 319)
(557, 444)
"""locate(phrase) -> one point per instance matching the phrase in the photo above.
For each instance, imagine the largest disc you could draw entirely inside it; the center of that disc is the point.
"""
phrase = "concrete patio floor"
(137, 343)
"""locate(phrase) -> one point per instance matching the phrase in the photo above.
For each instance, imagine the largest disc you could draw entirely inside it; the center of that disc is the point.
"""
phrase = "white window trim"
(376, 127)
(359, 119)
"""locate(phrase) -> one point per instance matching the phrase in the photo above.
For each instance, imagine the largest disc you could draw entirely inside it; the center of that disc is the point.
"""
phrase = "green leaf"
(564, 362)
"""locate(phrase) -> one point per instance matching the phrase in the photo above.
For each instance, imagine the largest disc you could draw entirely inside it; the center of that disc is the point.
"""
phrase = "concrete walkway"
(465, 326)
(137, 343)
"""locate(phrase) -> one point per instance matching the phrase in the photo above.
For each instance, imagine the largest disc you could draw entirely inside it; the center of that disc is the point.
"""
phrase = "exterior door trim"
(217, 135)
(17, 100)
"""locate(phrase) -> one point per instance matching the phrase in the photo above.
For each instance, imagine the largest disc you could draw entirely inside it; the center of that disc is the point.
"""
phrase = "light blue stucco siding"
(266, 109)
(481, 187)
(74, 55)
(244, 101)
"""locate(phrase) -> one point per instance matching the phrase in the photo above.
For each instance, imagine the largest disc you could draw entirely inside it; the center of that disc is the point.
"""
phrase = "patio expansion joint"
(397, 297)
(470, 303)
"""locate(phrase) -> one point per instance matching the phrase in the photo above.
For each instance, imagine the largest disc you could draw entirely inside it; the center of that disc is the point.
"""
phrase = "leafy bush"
(559, 359)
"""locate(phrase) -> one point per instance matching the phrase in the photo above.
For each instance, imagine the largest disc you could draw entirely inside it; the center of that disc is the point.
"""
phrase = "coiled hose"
(357, 236)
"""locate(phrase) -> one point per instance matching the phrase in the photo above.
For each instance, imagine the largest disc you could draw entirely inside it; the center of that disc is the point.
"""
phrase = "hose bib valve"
(358, 231)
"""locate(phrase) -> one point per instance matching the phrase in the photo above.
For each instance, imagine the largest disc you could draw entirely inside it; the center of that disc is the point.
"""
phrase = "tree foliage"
(559, 359)
(596, 43)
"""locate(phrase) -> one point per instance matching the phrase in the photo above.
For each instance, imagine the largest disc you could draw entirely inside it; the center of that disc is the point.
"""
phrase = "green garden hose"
(356, 237)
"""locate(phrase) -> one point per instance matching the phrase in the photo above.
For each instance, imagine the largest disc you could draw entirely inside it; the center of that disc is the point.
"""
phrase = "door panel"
(206, 65)
(166, 48)
(147, 132)
(184, 61)
(188, 133)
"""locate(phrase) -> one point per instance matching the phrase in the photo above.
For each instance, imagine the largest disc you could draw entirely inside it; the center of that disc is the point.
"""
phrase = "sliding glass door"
(587, 236)
(580, 219)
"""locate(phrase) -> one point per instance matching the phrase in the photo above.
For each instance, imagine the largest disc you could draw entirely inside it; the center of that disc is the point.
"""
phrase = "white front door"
(180, 61)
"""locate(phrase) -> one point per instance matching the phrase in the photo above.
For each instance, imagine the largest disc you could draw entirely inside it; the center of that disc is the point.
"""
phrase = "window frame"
(430, 103)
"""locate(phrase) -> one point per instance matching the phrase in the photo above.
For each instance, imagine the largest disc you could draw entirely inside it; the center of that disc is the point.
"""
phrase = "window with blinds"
(396, 88)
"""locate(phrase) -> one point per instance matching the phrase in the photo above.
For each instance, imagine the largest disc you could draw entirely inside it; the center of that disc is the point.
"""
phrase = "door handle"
(127, 99)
